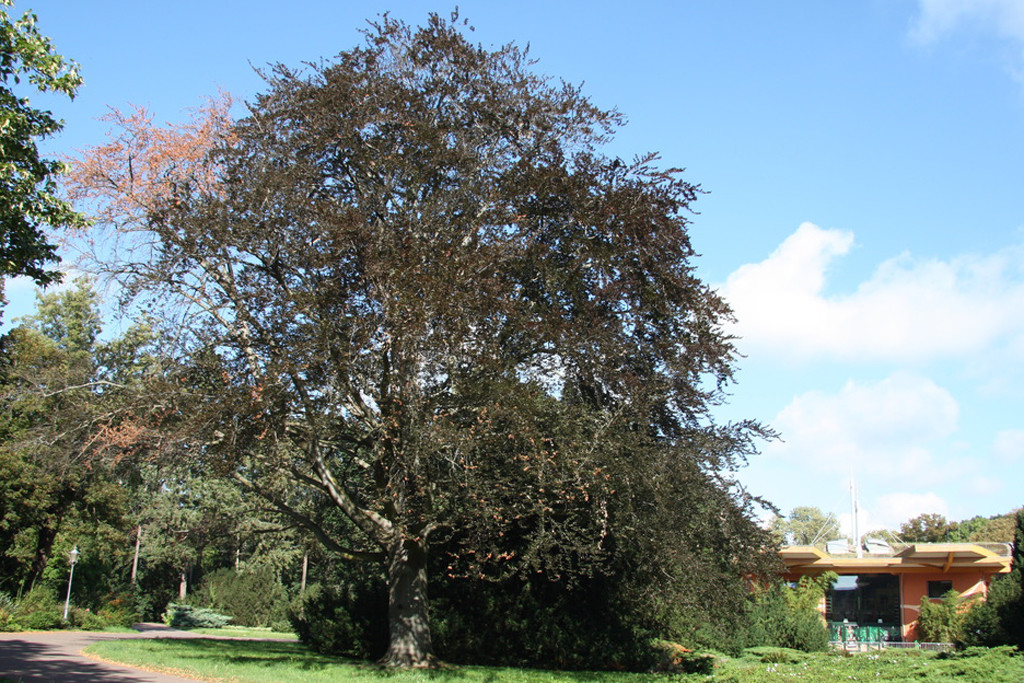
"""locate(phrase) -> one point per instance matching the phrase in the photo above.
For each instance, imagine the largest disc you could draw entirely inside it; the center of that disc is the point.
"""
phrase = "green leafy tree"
(926, 528)
(996, 529)
(806, 526)
(186, 519)
(28, 201)
(409, 283)
(71, 413)
(193, 525)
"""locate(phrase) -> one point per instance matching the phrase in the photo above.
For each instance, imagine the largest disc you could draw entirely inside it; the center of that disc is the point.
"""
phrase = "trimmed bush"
(187, 616)
(251, 597)
(539, 623)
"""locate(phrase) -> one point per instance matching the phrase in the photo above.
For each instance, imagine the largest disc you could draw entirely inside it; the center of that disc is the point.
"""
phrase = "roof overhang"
(914, 559)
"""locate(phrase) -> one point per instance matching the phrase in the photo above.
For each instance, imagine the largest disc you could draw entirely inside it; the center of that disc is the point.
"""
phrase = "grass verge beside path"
(285, 662)
(241, 661)
(244, 632)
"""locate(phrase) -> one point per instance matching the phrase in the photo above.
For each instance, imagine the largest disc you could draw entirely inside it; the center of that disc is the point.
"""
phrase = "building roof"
(990, 558)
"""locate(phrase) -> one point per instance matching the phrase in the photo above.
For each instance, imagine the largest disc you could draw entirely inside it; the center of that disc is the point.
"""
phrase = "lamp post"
(67, 601)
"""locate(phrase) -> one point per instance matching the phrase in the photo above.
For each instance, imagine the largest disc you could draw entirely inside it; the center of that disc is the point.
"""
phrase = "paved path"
(55, 657)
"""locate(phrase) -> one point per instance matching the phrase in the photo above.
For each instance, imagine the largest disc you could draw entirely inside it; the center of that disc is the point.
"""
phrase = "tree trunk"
(135, 559)
(408, 620)
(45, 538)
(305, 569)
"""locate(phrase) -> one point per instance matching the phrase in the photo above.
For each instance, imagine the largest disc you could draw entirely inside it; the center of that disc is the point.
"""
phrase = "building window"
(865, 599)
(936, 589)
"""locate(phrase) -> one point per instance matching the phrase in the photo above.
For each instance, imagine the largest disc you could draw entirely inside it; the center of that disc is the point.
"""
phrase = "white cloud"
(893, 509)
(939, 18)
(866, 522)
(909, 310)
(885, 429)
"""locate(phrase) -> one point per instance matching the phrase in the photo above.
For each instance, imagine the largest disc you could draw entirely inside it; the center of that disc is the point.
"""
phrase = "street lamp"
(73, 559)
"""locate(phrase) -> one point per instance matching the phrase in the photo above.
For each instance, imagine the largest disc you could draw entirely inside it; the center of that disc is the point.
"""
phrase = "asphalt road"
(55, 657)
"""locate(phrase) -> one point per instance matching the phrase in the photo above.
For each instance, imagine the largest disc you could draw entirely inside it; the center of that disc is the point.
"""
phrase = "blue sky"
(865, 168)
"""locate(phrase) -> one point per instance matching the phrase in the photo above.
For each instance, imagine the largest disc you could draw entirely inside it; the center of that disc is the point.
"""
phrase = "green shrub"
(1000, 619)
(39, 611)
(784, 617)
(120, 609)
(86, 619)
(42, 620)
(8, 623)
(540, 623)
(251, 597)
(7, 620)
(187, 616)
(676, 659)
(942, 620)
(350, 621)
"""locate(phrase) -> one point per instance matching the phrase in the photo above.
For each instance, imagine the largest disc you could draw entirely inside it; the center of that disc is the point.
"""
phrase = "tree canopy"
(806, 526)
(409, 284)
(28, 201)
(71, 413)
(925, 528)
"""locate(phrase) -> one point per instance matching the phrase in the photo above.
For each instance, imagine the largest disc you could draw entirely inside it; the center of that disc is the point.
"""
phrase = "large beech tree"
(408, 283)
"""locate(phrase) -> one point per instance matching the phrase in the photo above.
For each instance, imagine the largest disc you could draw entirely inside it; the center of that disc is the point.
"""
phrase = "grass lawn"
(241, 661)
(244, 632)
(976, 665)
(284, 662)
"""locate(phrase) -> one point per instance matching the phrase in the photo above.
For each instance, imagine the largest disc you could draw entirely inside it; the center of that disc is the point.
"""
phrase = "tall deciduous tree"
(806, 526)
(409, 282)
(28, 203)
(70, 411)
(925, 528)
(995, 529)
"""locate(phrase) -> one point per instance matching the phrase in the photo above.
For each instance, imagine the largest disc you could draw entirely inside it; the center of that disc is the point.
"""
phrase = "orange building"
(882, 591)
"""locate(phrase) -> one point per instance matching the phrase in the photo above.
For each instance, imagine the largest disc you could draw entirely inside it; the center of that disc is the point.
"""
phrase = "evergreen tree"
(1000, 619)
